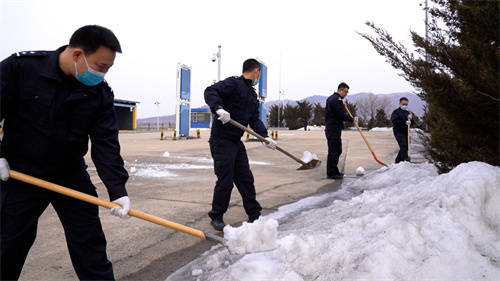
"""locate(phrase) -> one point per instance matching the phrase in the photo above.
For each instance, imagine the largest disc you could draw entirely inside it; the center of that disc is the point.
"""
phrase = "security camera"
(214, 57)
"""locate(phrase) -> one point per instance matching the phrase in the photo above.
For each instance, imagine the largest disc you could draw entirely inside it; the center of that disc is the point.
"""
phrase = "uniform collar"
(248, 81)
(338, 95)
(53, 71)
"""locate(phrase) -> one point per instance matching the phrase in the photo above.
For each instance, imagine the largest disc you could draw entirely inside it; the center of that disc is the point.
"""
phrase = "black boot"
(336, 176)
(218, 224)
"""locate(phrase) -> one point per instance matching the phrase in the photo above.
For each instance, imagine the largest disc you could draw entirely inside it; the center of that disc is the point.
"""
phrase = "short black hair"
(250, 65)
(402, 99)
(91, 37)
(342, 86)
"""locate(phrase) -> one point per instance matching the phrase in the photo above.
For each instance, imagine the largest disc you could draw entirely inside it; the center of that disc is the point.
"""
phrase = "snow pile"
(308, 156)
(409, 223)
(260, 235)
(312, 128)
(381, 129)
(360, 171)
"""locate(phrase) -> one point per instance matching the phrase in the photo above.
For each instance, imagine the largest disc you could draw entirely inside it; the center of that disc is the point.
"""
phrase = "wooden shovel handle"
(261, 138)
(103, 203)
(364, 138)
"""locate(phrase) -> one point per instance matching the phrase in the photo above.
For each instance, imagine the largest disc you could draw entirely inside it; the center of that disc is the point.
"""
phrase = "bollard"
(161, 135)
(198, 133)
(248, 137)
(175, 135)
(276, 135)
(272, 134)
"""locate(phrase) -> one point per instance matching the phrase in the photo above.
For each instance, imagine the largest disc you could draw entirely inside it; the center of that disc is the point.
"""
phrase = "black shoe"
(336, 177)
(250, 220)
(218, 224)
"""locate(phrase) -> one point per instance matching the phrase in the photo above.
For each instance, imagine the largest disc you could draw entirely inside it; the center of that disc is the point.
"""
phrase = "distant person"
(234, 98)
(400, 122)
(51, 103)
(335, 115)
(305, 125)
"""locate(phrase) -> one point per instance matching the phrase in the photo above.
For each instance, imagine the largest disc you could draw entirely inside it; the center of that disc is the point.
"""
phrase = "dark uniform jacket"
(49, 117)
(399, 118)
(335, 115)
(237, 96)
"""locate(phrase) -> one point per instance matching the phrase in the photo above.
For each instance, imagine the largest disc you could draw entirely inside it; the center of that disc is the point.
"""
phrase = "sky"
(314, 42)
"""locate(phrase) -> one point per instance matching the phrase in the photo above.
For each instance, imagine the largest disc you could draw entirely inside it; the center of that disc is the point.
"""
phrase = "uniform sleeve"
(9, 88)
(397, 119)
(256, 124)
(340, 112)
(215, 94)
(105, 151)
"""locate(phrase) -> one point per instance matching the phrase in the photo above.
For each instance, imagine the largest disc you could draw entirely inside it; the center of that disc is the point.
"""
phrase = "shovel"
(409, 158)
(364, 138)
(305, 166)
(106, 204)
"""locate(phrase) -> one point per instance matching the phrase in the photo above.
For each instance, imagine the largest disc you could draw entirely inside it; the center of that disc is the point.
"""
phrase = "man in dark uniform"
(400, 122)
(335, 115)
(51, 102)
(234, 98)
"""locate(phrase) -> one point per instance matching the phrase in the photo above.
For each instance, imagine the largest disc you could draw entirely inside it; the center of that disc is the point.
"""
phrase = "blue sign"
(184, 120)
(263, 81)
(185, 84)
(262, 113)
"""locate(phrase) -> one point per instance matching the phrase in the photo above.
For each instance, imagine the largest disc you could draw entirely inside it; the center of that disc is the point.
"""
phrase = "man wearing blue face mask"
(52, 102)
(400, 122)
(234, 98)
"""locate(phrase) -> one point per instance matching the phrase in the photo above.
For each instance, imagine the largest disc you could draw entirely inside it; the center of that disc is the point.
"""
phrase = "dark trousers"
(334, 152)
(402, 140)
(22, 204)
(231, 166)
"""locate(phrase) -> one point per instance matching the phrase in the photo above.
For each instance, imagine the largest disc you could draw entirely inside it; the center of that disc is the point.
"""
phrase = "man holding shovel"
(234, 98)
(51, 103)
(335, 115)
(401, 119)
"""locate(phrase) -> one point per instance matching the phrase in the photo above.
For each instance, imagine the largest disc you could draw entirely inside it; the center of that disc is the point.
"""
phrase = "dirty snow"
(360, 171)
(260, 235)
(381, 129)
(308, 156)
(404, 222)
(202, 159)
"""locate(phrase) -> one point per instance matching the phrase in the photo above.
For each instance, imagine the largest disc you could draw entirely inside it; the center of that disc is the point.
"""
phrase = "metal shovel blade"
(314, 163)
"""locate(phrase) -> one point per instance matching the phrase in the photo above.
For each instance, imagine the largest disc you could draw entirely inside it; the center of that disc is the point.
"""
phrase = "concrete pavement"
(141, 250)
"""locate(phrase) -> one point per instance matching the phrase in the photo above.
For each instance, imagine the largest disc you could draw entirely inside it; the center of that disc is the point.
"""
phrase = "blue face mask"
(404, 107)
(91, 77)
(255, 82)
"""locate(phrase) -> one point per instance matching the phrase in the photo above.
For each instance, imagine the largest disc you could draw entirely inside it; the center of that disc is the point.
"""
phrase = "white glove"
(4, 169)
(224, 116)
(272, 144)
(408, 122)
(121, 212)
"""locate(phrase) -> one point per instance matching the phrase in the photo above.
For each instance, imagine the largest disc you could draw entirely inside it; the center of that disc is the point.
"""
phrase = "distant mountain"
(415, 105)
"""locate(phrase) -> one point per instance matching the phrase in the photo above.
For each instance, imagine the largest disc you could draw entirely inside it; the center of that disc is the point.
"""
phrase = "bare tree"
(367, 107)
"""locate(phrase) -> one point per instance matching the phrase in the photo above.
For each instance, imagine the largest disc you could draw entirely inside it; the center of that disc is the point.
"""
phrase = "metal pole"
(158, 115)
(279, 95)
(218, 65)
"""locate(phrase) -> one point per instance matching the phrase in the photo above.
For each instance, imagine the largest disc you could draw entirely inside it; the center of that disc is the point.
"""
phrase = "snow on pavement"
(409, 223)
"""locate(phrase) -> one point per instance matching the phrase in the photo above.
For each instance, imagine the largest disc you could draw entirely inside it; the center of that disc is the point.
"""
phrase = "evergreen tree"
(353, 109)
(273, 116)
(304, 110)
(381, 119)
(292, 117)
(319, 115)
(455, 71)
